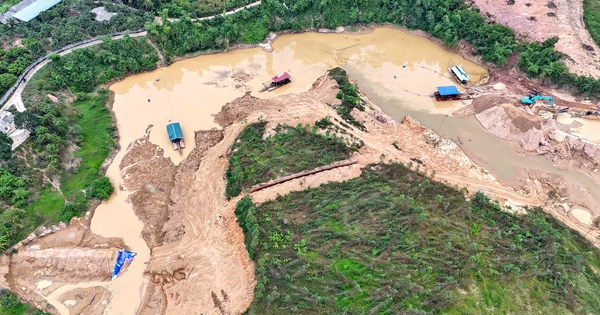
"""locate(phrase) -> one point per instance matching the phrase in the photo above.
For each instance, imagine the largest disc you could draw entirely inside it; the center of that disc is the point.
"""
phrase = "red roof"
(281, 77)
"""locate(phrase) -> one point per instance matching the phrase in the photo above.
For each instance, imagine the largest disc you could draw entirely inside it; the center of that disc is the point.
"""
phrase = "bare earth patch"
(199, 263)
(538, 20)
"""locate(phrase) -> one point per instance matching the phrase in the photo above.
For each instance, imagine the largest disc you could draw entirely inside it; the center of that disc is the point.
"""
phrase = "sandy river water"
(397, 70)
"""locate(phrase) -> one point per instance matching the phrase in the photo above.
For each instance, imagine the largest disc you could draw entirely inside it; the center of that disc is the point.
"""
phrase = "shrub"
(100, 188)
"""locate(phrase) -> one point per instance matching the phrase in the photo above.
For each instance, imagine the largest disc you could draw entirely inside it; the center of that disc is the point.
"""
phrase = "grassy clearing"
(11, 305)
(256, 160)
(394, 242)
(95, 143)
(591, 17)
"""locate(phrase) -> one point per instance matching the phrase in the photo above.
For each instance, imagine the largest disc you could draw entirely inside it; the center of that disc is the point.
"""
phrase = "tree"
(100, 188)
(7, 80)
(27, 120)
(5, 147)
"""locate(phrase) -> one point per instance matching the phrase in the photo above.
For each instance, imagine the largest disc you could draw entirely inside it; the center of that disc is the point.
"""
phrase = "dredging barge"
(450, 93)
(176, 136)
(277, 82)
(460, 75)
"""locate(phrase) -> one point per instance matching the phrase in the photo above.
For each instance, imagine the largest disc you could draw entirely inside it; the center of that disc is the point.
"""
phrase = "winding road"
(17, 100)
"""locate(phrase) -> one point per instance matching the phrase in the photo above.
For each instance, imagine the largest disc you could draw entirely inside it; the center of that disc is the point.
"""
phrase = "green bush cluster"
(11, 305)
(84, 69)
(395, 242)
(193, 9)
(100, 188)
(350, 97)
(12, 63)
(255, 159)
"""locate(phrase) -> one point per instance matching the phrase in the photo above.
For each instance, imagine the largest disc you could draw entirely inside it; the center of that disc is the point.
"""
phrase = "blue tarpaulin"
(448, 90)
(124, 257)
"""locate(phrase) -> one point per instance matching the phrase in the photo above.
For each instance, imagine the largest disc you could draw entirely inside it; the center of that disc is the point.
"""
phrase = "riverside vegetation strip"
(85, 122)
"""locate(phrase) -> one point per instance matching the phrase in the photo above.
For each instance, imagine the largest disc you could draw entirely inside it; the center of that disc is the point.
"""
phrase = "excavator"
(534, 96)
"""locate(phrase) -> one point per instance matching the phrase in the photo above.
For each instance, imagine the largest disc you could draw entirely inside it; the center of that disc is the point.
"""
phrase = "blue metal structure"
(446, 91)
(33, 10)
(124, 257)
(174, 131)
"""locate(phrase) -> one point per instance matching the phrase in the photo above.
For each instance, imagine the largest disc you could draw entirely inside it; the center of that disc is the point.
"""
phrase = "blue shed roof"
(33, 10)
(174, 131)
(448, 90)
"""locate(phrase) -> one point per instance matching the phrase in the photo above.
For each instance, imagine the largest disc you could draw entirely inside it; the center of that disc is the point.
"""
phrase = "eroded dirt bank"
(198, 261)
(204, 267)
(53, 257)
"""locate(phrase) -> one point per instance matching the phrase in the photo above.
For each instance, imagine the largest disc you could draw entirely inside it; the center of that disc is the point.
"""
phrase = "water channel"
(397, 70)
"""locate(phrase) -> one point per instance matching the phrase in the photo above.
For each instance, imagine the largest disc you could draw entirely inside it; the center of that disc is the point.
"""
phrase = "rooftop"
(448, 90)
(174, 131)
(281, 77)
(33, 10)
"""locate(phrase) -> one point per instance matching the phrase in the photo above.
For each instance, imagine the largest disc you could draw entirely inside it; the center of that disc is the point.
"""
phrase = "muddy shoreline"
(183, 209)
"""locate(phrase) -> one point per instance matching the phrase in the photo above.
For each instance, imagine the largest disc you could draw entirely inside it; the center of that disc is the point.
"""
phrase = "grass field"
(256, 160)
(395, 242)
(95, 143)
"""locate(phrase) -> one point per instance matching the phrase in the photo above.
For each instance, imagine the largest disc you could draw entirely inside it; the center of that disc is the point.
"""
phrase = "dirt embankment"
(535, 134)
(199, 263)
(538, 20)
(61, 255)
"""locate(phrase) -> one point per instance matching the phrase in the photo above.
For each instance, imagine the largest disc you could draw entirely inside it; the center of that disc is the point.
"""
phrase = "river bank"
(186, 222)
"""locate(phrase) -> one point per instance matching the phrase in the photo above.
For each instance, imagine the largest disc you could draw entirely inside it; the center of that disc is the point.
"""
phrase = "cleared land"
(538, 20)
(185, 209)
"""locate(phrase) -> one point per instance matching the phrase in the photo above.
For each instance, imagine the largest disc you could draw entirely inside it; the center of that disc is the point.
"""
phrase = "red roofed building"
(283, 78)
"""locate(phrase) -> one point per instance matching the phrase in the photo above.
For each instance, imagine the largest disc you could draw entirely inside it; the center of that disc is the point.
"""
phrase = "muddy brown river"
(397, 70)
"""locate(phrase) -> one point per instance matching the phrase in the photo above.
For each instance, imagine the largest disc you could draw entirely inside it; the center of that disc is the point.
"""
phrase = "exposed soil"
(60, 254)
(86, 301)
(199, 263)
(538, 20)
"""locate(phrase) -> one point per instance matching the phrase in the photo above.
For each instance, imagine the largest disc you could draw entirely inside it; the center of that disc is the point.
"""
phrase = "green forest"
(393, 241)
(68, 22)
(256, 160)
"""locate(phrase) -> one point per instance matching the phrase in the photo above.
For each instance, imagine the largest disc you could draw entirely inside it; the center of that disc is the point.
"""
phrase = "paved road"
(16, 97)
(19, 136)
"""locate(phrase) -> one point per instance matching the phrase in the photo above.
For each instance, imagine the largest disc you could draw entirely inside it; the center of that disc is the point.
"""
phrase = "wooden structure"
(175, 136)
(277, 82)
